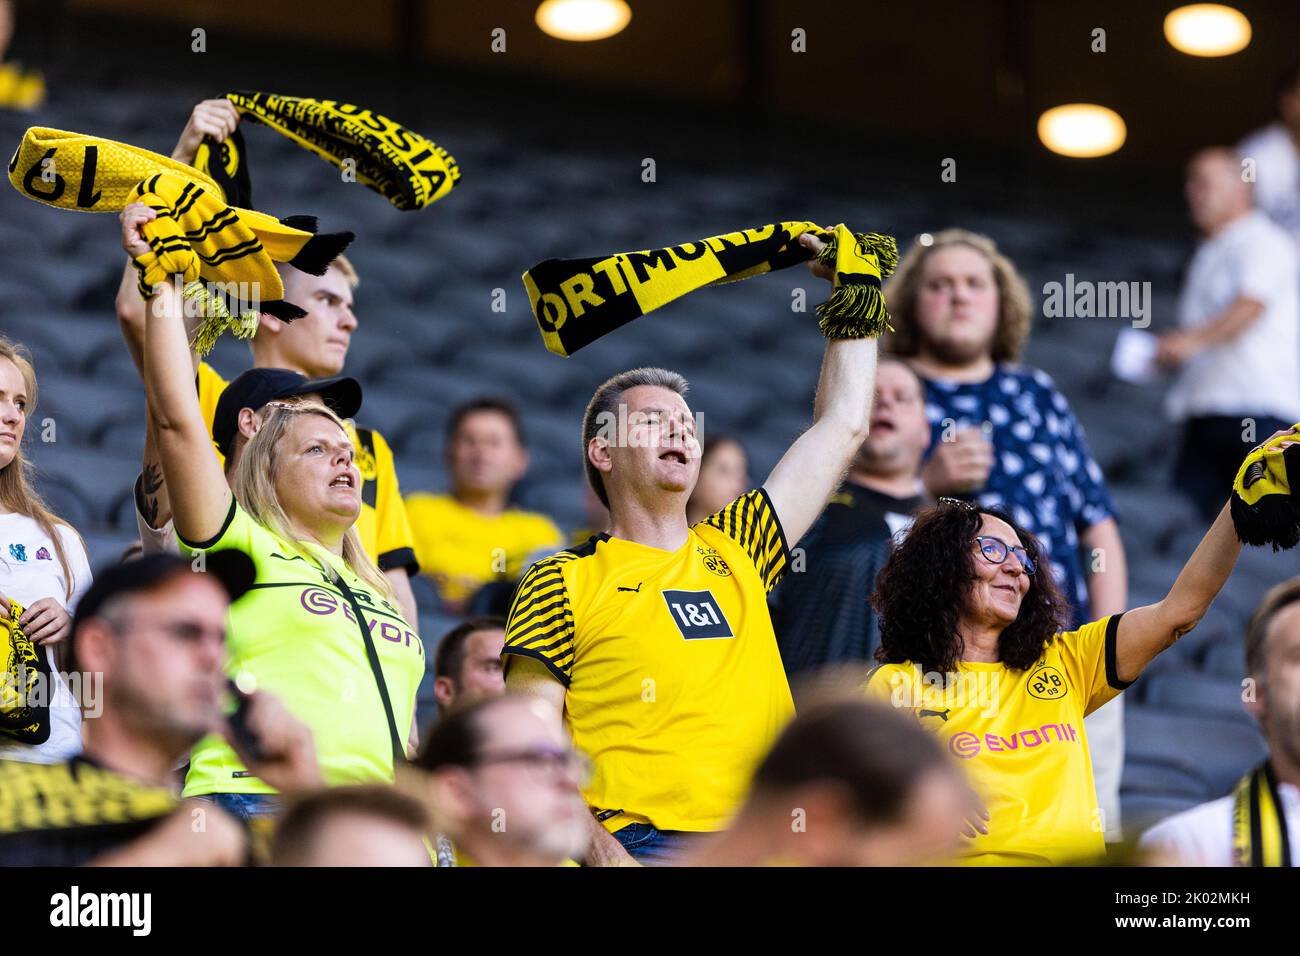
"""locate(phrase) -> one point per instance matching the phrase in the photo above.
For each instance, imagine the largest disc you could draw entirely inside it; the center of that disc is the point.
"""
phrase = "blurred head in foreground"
(848, 783)
(371, 825)
(504, 779)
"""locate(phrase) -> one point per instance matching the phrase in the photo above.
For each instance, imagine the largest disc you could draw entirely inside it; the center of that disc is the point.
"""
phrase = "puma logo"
(635, 590)
(941, 714)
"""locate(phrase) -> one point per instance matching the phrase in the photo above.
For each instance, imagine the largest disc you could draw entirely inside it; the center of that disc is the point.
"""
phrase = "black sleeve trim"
(225, 526)
(558, 674)
(776, 520)
(399, 558)
(1112, 642)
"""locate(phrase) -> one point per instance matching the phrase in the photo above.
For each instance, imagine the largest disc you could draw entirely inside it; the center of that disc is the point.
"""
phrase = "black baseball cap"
(233, 570)
(254, 388)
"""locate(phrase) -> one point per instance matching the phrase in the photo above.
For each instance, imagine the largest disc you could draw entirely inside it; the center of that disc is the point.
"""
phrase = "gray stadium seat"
(1188, 692)
(1141, 811)
(1226, 659)
(1162, 778)
(1219, 750)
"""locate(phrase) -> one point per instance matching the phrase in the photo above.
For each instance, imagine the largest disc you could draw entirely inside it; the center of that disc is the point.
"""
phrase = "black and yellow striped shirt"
(674, 685)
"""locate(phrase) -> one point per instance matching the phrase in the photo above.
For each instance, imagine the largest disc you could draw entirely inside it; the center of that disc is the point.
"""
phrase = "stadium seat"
(1219, 750)
(1226, 659)
(1141, 811)
(1189, 692)
(1162, 778)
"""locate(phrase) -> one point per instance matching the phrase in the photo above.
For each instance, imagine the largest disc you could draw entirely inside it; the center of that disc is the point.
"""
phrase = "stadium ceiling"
(975, 70)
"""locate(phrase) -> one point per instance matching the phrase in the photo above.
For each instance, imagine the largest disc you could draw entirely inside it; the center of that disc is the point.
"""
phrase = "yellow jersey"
(462, 550)
(296, 633)
(382, 524)
(674, 684)
(1020, 737)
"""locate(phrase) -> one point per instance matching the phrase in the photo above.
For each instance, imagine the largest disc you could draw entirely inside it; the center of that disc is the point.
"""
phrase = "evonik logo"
(967, 745)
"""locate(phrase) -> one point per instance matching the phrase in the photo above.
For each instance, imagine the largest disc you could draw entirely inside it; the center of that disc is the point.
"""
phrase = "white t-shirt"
(1202, 836)
(160, 540)
(30, 570)
(1258, 372)
(1277, 175)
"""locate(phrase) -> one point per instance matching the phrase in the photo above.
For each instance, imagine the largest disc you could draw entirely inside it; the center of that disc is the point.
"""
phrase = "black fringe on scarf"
(283, 310)
(315, 257)
(1274, 519)
(856, 309)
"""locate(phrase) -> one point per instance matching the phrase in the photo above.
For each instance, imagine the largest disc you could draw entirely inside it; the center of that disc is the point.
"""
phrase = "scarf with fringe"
(408, 170)
(577, 301)
(195, 234)
(1263, 505)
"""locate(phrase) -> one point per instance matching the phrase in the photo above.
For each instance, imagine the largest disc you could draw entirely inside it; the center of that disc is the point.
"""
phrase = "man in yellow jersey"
(474, 536)
(315, 346)
(503, 778)
(654, 637)
(971, 644)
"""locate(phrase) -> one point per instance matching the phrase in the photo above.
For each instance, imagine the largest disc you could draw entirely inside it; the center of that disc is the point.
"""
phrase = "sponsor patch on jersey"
(697, 615)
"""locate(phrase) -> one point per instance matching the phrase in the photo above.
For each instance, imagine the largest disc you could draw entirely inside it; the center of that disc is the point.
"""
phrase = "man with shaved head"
(1237, 346)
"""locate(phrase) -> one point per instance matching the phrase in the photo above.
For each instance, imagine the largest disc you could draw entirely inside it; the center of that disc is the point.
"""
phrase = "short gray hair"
(606, 401)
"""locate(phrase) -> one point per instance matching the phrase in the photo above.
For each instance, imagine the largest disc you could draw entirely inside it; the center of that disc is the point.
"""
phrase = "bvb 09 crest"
(713, 562)
(1047, 683)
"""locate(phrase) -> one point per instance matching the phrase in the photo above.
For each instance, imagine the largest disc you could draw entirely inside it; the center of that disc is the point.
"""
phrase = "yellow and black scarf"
(195, 235)
(408, 170)
(1264, 508)
(24, 714)
(577, 301)
(1259, 830)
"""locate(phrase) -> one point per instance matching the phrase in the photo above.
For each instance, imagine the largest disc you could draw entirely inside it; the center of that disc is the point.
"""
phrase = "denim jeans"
(651, 846)
(245, 806)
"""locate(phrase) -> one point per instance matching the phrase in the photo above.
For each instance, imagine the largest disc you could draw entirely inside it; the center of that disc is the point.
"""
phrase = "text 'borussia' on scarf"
(408, 170)
(577, 301)
(194, 235)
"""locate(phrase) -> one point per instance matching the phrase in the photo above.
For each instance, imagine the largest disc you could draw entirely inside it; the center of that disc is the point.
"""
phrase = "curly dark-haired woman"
(971, 641)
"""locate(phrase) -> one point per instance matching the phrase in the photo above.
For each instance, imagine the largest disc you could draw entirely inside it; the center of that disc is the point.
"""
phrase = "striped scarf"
(195, 235)
(401, 165)
(22, 664)
(1259, 830)
(577, 301)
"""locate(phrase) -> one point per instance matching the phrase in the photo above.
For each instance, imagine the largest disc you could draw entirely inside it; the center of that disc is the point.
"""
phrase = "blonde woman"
(320, 628)
(43, 568)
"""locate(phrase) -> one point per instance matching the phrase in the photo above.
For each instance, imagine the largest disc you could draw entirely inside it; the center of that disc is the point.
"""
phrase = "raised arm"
(200, 498)
(1146, 631)
(806, 476)
(215, 118)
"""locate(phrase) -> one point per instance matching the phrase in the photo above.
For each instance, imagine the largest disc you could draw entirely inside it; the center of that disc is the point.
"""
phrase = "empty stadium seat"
(1141, 811)
(1219, 750)
(1192, 693)
(1226, 659)
(1162, 778)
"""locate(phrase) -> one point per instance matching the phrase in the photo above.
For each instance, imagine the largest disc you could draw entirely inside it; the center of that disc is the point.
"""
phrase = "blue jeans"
(245, 806)
(651, 846)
